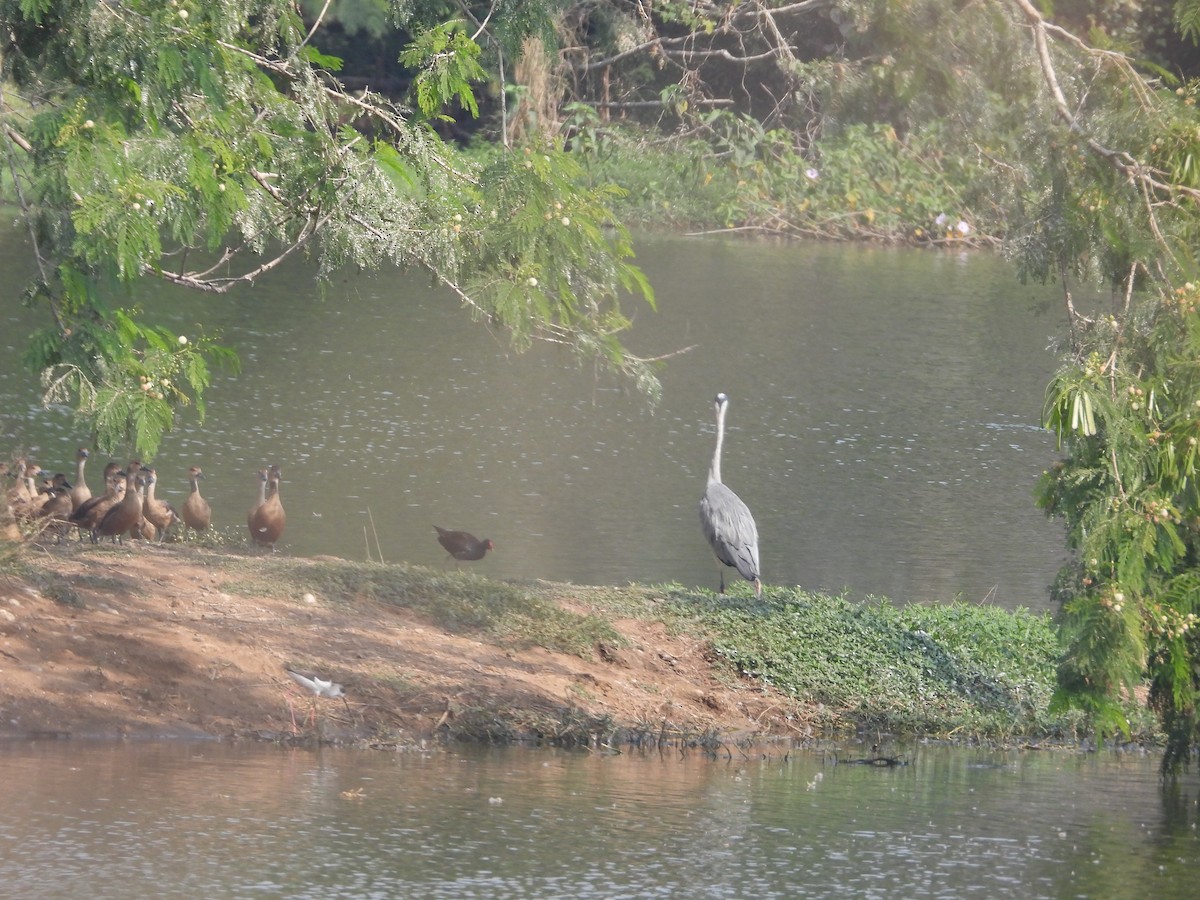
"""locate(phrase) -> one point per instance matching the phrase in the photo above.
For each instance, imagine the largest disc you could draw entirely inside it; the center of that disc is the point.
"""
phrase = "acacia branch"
(783, 48)
(316, 24)
(17, 138)
(202, 282)
(1123, 161)
(632, 51)
(380, 111)
(722, 53)
(739, 21)
(26, 214)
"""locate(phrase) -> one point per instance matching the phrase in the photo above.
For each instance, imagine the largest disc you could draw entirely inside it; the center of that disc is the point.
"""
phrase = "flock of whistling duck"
(55, 506)
(128, 506)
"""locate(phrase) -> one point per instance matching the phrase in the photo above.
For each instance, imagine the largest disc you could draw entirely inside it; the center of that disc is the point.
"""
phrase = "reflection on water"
(214, 820)
(883, 427)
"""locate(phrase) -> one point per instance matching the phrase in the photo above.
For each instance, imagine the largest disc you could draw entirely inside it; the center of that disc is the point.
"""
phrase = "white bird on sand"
(322, 687)
(319, 687)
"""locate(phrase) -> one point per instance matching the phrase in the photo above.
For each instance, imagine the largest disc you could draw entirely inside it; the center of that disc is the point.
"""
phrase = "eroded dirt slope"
(147, 642)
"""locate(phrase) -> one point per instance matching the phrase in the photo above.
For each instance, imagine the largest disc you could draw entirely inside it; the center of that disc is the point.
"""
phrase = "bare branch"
(18, 139)
(316, 24)
(1123, 161)
(203, 281)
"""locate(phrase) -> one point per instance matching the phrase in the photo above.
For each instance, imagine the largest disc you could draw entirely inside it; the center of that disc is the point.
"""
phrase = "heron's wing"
(730, 529)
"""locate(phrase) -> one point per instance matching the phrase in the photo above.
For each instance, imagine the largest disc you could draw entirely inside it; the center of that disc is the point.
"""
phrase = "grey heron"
(726, 520)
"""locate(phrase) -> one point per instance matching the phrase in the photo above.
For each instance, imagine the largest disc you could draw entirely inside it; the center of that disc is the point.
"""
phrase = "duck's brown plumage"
(158, 513)
(25, 497)
(88, 514)
(267, 519)
(80, 492)
(43, 490)
(55, 512)
(126, 513)
(143, 529)
(19, 493)
(197, 514)
(462, 545)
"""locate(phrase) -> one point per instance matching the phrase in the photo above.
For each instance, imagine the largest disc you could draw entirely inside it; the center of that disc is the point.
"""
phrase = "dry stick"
(316, 24)
(378, 548)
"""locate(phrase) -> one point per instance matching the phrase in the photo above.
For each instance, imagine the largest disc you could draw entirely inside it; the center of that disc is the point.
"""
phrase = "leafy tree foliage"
(202, 144)
(1112, 196)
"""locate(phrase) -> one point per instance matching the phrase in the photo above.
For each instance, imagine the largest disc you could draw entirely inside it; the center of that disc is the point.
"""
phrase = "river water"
(884, 425)
(212, 820)
(883, 429)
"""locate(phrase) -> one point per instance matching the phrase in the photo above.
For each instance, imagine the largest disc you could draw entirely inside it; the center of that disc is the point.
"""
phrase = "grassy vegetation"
(457, 602)
(867, 184)
(957, 670)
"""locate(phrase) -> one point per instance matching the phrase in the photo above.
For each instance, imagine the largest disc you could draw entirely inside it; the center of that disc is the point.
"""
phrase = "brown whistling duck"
(37, 493)
(41, 489)
(55, 512)
(19, 492)
(463, 546)
(143, 529)
(80, 493)
(267, 518)
(125, 514)
(159, 513)
(89, 513)
(197, 514)
(30, 496)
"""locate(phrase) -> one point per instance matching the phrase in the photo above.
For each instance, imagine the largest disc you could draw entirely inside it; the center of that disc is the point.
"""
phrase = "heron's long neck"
(714, 469)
